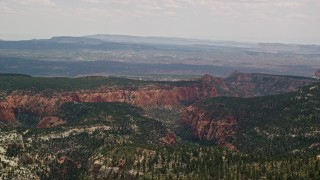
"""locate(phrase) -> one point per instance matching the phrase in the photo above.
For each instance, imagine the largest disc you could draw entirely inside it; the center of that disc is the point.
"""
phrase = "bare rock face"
(43, 106)
(170, 139)
(208, 128)
(101, 169)
(6, 112)
(252, 85)
(50, 121)
(165, 95)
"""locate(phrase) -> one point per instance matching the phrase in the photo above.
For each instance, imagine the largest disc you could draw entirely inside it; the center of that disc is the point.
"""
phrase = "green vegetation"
(11, 83)
(26, 120)
(84, 112)
(132, 148)
(90, 127)
(203, 162)
(50, 85)
(14, 75)
(277, 137)
(122, 118)
(271, 124)
(13, 150)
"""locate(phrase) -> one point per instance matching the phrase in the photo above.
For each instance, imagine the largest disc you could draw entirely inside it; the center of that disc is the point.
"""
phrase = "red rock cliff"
(6, 112)
(204, 127)
(41, 105)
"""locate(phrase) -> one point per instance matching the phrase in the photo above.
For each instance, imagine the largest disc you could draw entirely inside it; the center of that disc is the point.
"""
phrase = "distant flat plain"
(153, 56)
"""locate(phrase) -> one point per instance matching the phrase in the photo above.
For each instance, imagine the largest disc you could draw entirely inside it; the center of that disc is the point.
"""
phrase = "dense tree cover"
(271, 124)
(89, 127)
(132, 148)
(49, 85)
(121, 117)
(13, 150)
(11, 83)
(205, 162)
(276, 137)
(188, 161)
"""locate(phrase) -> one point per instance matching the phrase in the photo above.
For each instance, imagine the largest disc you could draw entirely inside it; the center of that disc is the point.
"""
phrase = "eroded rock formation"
(50, 121)
(208, 128)
(6, 112)
(170, 138)
(251, 85)
(204, 126)
(42, 105)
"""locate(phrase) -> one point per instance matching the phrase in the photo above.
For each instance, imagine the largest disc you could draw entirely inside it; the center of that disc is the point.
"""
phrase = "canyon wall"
(207, 128)
(41, 105)
(203, 126)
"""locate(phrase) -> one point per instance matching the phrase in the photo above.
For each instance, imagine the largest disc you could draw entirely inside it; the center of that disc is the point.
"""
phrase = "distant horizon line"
(47, 37)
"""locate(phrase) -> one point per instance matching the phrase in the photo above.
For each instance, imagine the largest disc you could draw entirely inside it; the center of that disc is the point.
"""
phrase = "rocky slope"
(41, 105)
(269, 124)
(77, 135)
(51, 153)
(42, 97)
(209, 127)
(251, 85)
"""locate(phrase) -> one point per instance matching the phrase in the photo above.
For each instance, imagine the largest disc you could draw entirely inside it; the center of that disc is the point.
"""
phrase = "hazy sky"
(290, 21)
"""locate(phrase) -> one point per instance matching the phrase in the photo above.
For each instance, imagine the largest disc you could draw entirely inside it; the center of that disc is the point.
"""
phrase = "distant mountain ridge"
(276, 47)
(104, 38)
(168, 40)
(222, 57)
(246, 126)
(81, 40)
